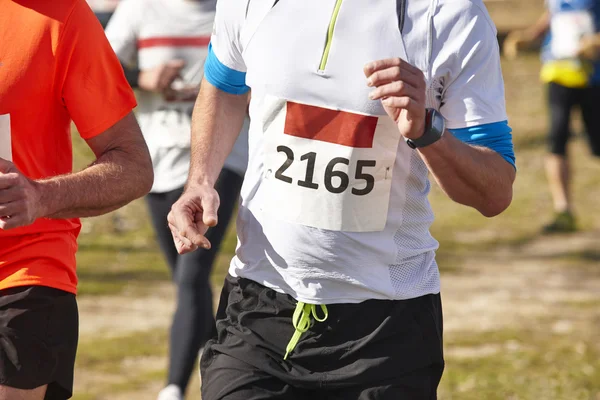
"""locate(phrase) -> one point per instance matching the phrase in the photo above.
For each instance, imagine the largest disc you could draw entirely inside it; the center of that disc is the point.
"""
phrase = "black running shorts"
(38, 339)
(375, 350)
(561, 101)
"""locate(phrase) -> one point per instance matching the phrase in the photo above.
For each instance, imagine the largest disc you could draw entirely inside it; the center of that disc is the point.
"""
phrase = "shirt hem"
(334, 300)
(20, 283)
(470, 124)
(109, 122)
(318, 301)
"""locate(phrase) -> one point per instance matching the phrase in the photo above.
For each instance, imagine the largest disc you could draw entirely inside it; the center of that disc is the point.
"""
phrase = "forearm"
(116, 178)
(216, 123)
(474, 176)
(539, 29)
(595, 40)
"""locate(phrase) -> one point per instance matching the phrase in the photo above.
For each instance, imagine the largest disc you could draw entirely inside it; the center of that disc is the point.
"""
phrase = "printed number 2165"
(330, 173)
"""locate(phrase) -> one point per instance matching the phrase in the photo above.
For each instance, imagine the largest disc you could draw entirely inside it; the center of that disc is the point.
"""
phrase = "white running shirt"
(103, 5)
(334, 204)
(149, 33)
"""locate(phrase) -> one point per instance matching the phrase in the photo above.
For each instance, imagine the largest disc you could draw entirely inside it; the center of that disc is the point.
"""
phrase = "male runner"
(56, 66)
(163, 45)
(334, 289)
(571, 70)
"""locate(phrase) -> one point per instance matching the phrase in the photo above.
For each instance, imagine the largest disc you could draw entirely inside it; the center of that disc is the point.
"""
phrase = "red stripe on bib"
(196, 41)
(339, 127)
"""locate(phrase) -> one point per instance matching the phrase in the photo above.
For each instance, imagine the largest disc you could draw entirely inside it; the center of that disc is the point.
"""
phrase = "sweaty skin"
(121, 173)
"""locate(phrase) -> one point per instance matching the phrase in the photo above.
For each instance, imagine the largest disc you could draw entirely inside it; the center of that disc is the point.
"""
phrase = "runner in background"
(572, 74)
(103, 9)
(48, 79)
(163, 45)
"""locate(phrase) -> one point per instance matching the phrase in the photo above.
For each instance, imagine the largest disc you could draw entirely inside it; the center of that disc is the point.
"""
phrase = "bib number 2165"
(343, 180)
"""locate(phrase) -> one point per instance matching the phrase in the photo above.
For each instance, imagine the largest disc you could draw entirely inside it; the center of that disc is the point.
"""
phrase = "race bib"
(5, 139)
(169, 126)
(567, 30)
(327, 168)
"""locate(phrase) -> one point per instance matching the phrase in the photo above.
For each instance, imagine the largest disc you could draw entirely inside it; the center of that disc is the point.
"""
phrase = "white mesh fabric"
(415, 272)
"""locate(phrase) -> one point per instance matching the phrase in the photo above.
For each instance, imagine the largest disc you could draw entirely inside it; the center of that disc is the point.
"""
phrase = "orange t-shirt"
(56, 66)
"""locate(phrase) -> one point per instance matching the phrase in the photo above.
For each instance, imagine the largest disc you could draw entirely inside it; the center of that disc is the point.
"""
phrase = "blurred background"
(521, 310)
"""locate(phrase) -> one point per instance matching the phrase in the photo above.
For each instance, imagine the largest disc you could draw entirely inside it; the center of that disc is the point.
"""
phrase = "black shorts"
(561, 101)
(375, 350)
(39, 327)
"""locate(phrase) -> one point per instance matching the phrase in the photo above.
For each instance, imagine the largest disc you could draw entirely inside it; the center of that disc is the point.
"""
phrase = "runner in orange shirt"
(56, 66)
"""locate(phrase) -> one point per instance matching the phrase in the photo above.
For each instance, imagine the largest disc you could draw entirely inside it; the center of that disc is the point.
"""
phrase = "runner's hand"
(191, 216)
(160, 78)
(187, 93)
(19, 198)
(589, 47)
(402, 90)
(515, 42)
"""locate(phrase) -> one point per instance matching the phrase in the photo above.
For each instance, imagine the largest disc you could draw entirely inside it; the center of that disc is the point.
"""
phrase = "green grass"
(588, 305)
(106, 354)
(460, 227)
(106, 270)
(526, 364)
(111, 260)
(122, 359)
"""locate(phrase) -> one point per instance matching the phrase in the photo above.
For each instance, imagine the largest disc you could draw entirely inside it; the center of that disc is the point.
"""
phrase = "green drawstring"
(301, 321)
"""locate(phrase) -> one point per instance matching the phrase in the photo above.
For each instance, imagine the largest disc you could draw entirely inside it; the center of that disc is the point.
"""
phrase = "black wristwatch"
(435, 125)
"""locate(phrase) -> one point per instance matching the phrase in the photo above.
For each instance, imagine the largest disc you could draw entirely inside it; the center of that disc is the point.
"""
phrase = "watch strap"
(431, 134)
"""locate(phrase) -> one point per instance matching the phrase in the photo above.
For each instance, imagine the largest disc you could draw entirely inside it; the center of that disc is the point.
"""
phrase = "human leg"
(38, 343)
(10, 393)
(159, 205)
(591, 117)
(233, 379)
(415, 385)
(390, 349)
(561, 100)
(193, 323)
(409, 383)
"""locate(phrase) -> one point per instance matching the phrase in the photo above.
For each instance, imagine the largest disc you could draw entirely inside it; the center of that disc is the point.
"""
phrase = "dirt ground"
(513, 288)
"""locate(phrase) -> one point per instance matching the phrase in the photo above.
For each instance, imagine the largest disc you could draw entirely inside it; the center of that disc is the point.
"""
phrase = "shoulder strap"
(401, 12)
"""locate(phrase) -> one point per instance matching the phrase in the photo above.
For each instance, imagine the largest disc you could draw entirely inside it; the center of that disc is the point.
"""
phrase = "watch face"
(438, 123)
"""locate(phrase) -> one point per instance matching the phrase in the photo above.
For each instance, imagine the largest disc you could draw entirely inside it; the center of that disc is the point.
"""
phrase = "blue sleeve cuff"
(496, 136)
(222, 77)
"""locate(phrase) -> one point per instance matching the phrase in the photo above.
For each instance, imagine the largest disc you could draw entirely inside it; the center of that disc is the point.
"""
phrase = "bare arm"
(539, 29)
(216, 123)
(590, 47)
(474, 176)
(522, 39)
(121, 173)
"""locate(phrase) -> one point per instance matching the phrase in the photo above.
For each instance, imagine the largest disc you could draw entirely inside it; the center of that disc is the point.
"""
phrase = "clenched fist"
(20, 203)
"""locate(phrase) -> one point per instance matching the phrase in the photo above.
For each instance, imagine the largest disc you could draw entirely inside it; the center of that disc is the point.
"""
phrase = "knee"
(557, 144)
(197, 288)
(560, 151)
